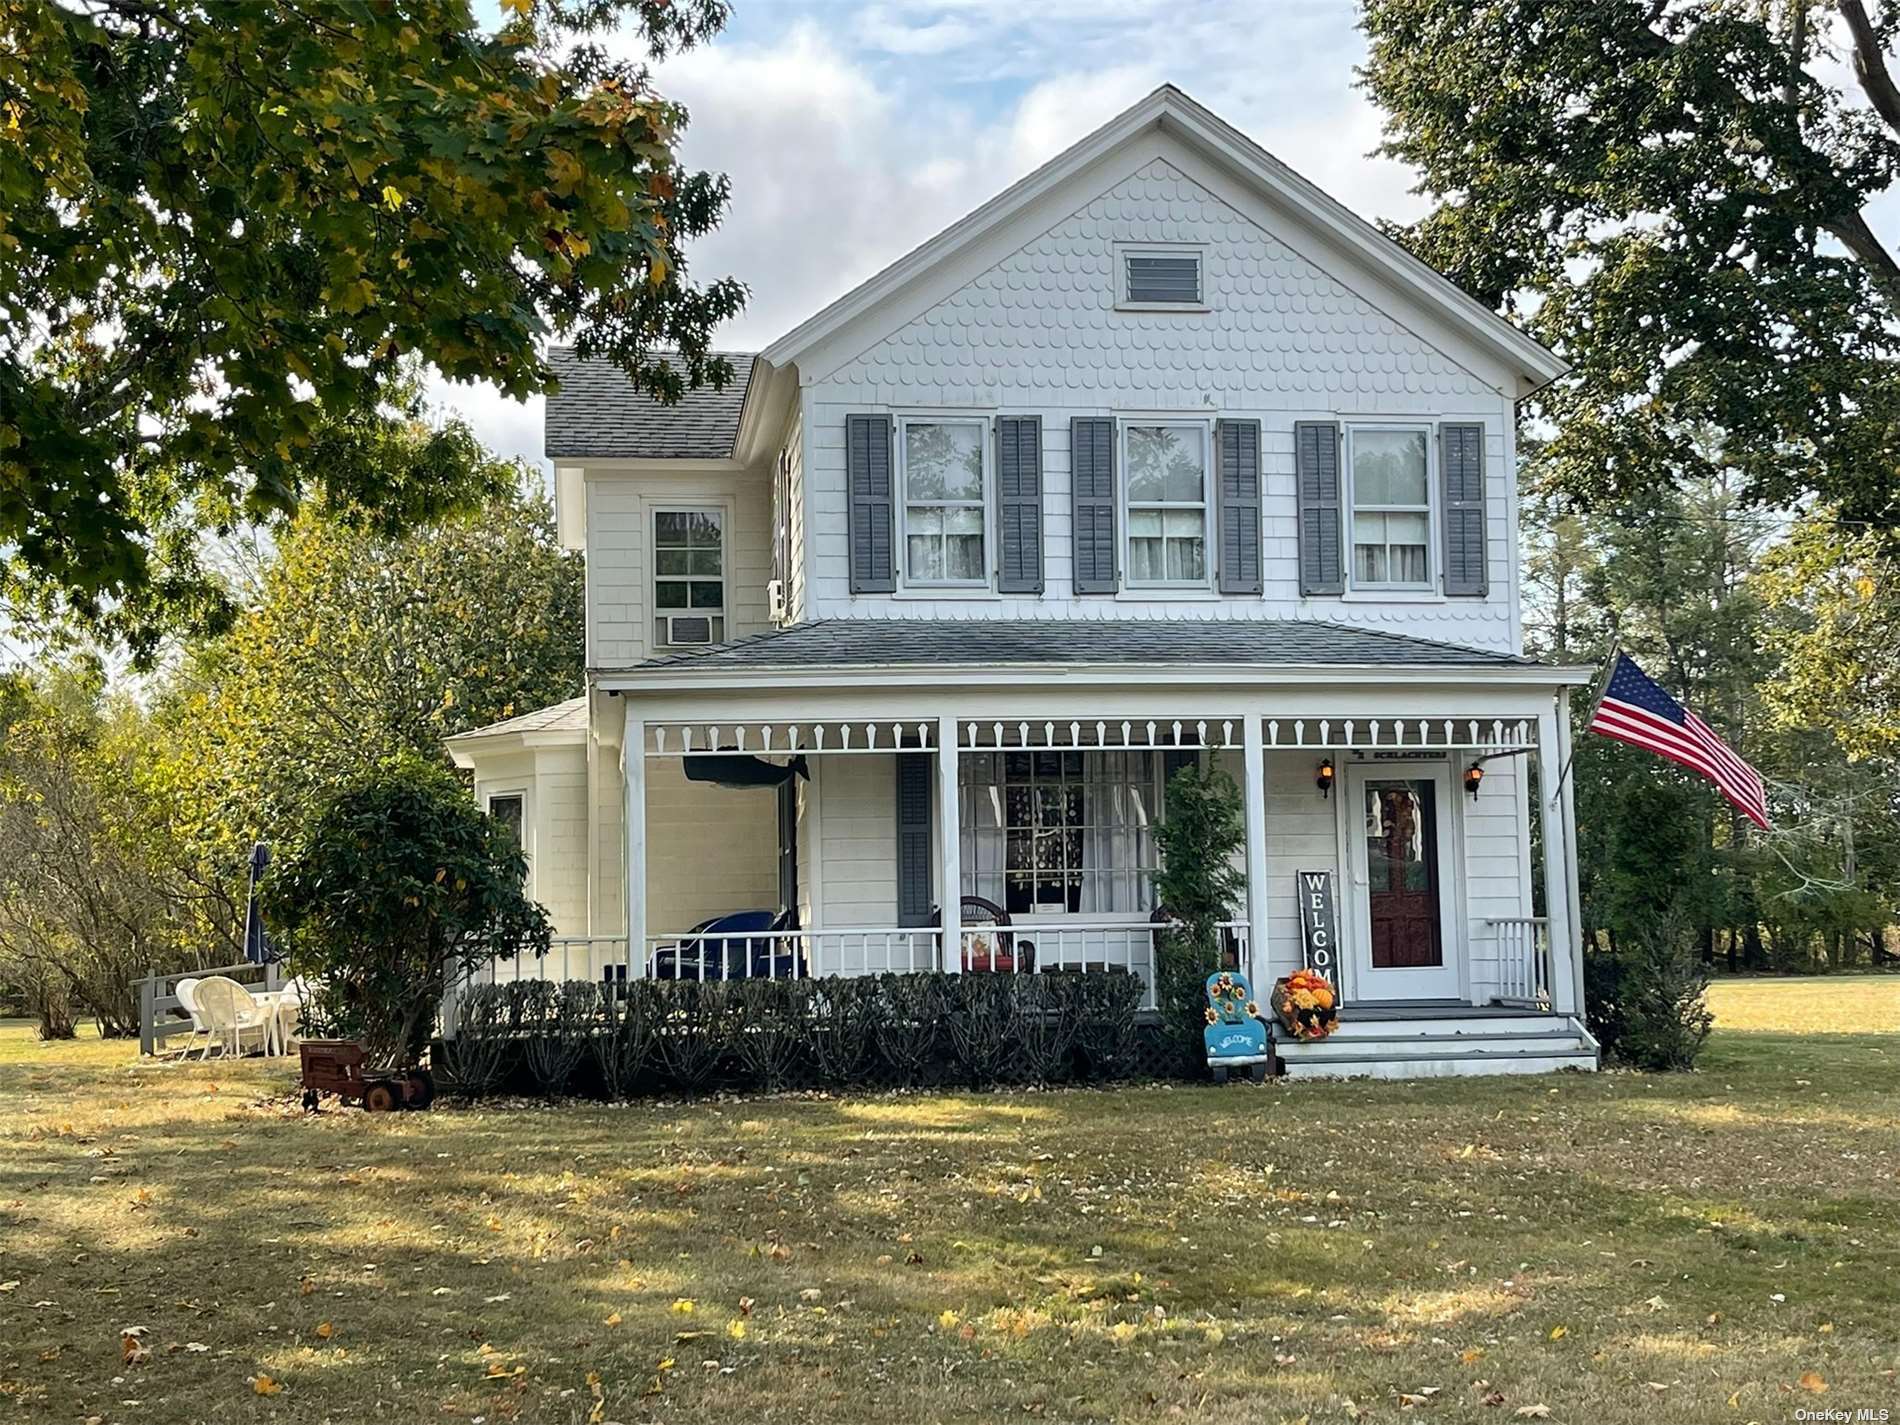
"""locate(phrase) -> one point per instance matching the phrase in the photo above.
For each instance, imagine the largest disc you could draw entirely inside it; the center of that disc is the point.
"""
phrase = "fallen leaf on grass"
(613, 1318)
(1812, 1381)
(325, 1330)
(264, 1385)
(1533, 1412)
(131, 1349)
(1557, 1333)
(1471, 1355)
(1494, 1398)
(735, 1328)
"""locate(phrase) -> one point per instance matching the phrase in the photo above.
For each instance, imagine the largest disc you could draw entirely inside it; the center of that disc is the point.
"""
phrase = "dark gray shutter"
(915, 771)
(1316, 472)
(1461, 467)
(1019, 504)
(1092, 503)
(873, 503)
(1171, 762)
(1237, 459)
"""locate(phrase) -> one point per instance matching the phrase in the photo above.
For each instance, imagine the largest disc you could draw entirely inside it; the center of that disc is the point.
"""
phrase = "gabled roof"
(597, 414)
(984, 643)
(1172, 111)
(570, 716)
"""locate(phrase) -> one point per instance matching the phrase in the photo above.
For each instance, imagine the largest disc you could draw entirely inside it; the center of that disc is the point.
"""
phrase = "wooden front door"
(1398, 828)
(1402, 875)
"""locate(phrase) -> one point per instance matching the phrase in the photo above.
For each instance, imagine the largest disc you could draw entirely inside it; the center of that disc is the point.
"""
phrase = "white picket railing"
(1066, 945)
(789, 954)
(1523, 959)
(569, 957)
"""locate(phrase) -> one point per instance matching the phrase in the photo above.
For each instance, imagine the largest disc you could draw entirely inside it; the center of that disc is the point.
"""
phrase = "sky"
(854, 131)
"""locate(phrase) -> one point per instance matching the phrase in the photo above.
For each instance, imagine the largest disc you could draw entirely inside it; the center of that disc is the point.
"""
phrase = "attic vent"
(1166, 278)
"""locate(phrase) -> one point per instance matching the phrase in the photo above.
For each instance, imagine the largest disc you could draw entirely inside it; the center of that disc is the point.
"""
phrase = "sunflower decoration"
(1306, 1004)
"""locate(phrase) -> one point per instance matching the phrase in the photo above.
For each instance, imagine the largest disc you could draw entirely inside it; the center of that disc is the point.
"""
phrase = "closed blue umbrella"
(256, 944)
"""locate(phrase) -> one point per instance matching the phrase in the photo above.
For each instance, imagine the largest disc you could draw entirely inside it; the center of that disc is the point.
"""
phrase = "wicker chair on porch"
(1006, 954)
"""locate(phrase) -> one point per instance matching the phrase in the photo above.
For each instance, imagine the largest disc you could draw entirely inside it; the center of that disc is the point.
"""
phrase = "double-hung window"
(946, 484)
(689, 576)
(1166, 481)
(1055, 832)
(1391, 506)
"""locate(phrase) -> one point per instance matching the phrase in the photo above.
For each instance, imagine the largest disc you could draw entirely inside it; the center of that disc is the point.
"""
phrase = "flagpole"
(1603, 687)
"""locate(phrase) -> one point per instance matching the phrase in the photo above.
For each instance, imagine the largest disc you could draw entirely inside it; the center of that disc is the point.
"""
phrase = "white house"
(1160, 455)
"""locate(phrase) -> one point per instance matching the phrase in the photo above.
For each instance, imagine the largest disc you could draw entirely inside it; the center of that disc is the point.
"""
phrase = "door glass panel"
(1402, 875)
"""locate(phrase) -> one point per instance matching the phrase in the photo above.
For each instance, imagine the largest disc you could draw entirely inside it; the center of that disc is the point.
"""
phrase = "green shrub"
(910, 1009)
(398, 886)
(1201, 836)
(843, 1027)
(624, 1046)
(699, 1022)
(774, 1029)
(1048, 1020)
(981, 1021)
(983, 1029)
(565, 1020)
(474, 1056)
(1665, 1016)
(1107, 1006)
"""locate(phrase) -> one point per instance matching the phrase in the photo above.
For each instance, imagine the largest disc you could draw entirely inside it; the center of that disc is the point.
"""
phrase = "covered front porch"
(1038, 805)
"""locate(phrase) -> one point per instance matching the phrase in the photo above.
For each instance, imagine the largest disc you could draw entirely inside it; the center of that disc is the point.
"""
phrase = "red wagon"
(338, 1066)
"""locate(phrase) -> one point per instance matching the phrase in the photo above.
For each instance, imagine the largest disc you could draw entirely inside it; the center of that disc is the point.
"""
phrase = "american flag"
(1634, 710)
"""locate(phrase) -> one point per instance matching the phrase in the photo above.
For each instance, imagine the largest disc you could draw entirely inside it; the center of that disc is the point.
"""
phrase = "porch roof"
(875, 643)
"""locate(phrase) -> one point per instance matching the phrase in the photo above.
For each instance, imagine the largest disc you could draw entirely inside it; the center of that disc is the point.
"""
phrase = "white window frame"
(986, 427)
(1124, 251)
(1128, 504)
(520, 792)
(1433, 564)
(685, 506)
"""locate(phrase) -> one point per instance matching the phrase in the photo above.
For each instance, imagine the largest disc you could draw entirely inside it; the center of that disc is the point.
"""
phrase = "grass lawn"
(1722, 1246)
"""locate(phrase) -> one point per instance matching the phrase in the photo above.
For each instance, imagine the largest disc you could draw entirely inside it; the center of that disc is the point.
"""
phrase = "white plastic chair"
(186, 990)
(229, 1014)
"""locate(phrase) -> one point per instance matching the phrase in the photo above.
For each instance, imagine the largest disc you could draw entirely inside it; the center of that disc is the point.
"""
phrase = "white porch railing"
(569, 957)
(1066, 945)
(789, 954)
(1523, 959)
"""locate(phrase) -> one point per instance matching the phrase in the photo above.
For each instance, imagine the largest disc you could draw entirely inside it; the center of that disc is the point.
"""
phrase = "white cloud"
(853, 133)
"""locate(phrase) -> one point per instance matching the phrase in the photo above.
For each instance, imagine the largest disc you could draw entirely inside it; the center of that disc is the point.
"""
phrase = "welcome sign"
(1319, 923)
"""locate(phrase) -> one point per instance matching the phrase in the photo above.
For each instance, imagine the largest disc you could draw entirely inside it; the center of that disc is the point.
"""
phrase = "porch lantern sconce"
(1323, 779)
(1474, 777)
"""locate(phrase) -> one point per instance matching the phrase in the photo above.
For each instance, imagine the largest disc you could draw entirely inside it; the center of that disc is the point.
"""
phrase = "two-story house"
(1160, 455)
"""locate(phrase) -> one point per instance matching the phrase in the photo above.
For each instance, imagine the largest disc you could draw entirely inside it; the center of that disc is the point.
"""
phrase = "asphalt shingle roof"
(826, 643)
(570, 716)
(597, 414)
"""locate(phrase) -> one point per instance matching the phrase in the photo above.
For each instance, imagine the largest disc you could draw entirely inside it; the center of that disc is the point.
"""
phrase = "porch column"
(1560, 861)
(1253, 799)
(1567, 818)
(633, 764)
(949, 846)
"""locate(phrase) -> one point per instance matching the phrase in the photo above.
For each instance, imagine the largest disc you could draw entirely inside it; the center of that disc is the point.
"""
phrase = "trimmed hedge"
(649, 1037)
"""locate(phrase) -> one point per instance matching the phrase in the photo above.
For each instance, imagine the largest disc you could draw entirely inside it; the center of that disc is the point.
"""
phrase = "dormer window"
(1164, 279)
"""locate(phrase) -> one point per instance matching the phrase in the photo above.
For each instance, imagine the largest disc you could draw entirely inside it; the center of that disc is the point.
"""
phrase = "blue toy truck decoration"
(1236, 1037)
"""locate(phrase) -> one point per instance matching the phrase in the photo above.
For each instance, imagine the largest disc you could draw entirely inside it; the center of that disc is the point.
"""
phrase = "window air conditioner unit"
(688, 629)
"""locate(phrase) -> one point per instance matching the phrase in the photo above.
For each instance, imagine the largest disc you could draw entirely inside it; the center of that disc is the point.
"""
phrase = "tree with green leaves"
(398, 886)
(355, 648)
(1671, 194)
(226, 229)
(1201, 837)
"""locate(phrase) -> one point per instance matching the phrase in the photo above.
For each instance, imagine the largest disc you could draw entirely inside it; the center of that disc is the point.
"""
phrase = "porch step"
(1433, 1066)
(1433, 1047)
